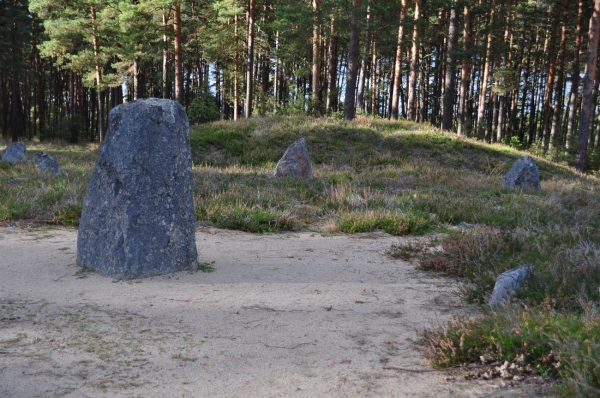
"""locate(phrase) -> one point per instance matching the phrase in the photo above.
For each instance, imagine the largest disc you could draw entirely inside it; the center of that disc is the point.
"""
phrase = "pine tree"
(587, 106)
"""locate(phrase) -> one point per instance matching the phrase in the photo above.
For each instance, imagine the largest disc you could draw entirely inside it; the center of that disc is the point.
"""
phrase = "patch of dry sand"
(293, 314)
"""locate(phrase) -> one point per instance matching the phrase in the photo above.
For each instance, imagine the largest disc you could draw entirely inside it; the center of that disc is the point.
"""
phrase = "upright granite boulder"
(295, 162)
(45, 164)
(524, 174)
(15, 153)
(508, 283)
(138, 211)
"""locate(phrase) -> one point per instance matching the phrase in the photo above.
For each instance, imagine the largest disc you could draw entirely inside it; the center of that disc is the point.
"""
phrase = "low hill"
(404, 179)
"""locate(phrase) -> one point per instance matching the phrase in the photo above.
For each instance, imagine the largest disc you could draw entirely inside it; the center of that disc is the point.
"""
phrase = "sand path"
(282, 315)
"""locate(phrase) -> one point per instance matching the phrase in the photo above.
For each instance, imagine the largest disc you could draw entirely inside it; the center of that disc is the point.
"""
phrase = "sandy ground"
(282, 315)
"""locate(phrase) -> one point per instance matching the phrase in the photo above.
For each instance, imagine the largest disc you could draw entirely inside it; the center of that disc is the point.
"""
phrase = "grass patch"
(206, 267)
(394, 224)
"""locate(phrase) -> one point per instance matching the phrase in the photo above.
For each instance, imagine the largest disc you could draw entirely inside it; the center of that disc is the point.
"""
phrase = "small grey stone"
(523, 174)
(295, 162)
(15, 153)
(508, 283)
(45, 164)
(138, 212)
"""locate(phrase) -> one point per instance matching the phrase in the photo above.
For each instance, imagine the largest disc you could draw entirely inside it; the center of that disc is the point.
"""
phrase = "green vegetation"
(403, 179)
(26, 196)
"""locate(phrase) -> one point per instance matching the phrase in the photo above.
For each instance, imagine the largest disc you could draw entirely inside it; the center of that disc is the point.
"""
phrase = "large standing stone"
(138, 212)
(295, 162)
(524, 174)
(45, 164)
(508, 283)
(15, 153)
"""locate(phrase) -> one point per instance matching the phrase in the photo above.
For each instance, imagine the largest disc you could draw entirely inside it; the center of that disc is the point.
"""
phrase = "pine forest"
(521, 72)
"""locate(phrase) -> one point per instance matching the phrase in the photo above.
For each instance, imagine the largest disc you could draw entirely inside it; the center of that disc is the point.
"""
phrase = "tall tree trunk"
(438, 76)
(332, 70)
(597, 138)
(483, 83)
(464, 72)
(15, 125)
(236, 68)
(15, 97)
(501, 90)
(508, 99)
(250, 54)
(390, 90)
(412, 78)
(218, 91)
(424, 92)
(276, 72)
(595, 97)
(100, 98)
(178, 53)
(521, 128)
(550, 79)
(373, 78)
(349, 103)
(558, 97)
(397, 87)
(448, 112)
(587, 107)
(38, 91)
(360, 104)
(165, 57)
(573, 97)
(223, 103)
(534, 92)
(264, 79)
(136, 83)
(316, 52)
(72, 132)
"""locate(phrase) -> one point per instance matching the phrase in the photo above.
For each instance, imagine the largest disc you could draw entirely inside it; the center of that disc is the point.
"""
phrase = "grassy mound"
(401, 178)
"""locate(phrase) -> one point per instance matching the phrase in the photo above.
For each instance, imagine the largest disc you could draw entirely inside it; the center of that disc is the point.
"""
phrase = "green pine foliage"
(203, 108)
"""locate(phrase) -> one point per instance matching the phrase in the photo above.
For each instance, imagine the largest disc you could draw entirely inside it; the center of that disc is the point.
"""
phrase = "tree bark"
(594, 98)
(15, 94)
(236, 68)
(349, 103)
(165, 57)
(573, 97)
(373, 78)
(397, 87)
(558, 97)
(360, 104)
(587, 107)
(424, 88)
(483, 83)
(72, 131)
(316, 52)
(412, 78)
(464, 72)
(332, 70)
(135, 80)
(264, 78)
(100, 98)
(521, 128)
(549, 80)
(178, 53)
(448, 111)
(250, 54)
